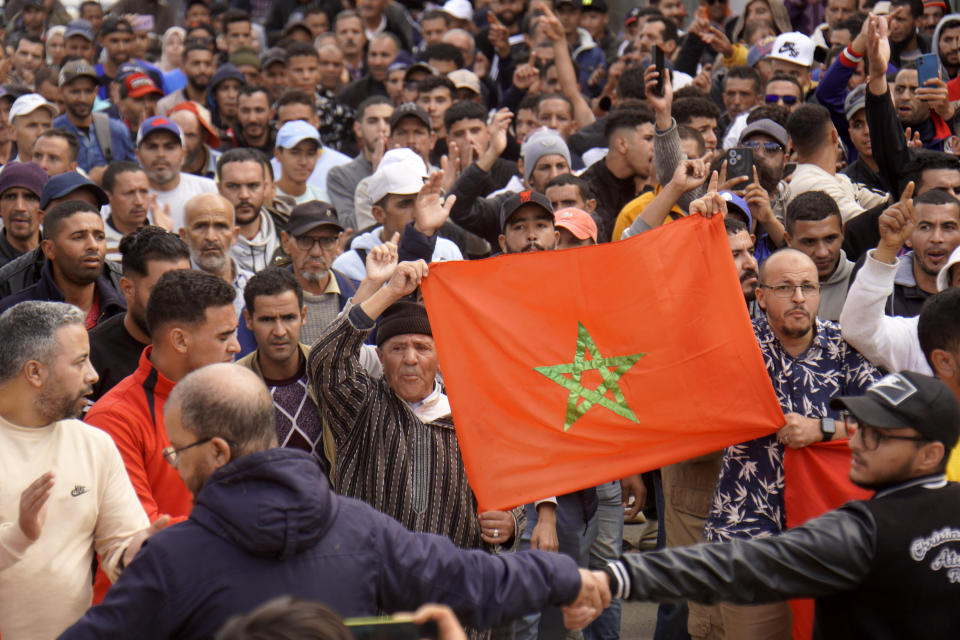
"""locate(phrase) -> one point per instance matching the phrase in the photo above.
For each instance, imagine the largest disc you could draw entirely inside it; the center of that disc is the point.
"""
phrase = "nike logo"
(79, 490)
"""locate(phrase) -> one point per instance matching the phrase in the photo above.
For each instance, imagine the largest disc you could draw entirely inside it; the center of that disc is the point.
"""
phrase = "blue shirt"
(748, 499)
(89, 154)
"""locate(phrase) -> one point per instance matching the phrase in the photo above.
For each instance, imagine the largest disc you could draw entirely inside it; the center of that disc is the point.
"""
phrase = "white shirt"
(190, 185)
(311, 193)
(46, 584)
(852, 199)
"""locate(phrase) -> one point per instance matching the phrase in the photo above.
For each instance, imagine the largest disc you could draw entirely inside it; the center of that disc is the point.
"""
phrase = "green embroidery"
(592, 396)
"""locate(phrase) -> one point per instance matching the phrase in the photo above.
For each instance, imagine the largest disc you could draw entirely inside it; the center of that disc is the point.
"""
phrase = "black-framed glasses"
(786, 290)
(305, 243)
(172, 455)
(772, 98)
(872, 436)
(768, 147)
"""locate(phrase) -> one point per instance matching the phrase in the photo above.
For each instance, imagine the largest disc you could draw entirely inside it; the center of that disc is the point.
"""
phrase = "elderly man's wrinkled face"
(410, 365)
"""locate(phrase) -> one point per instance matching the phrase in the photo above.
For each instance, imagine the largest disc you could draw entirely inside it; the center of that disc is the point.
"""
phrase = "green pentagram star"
(590, 397)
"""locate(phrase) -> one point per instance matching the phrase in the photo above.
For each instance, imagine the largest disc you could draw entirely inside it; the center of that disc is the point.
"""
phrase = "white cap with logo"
(401, 172)
(793, 47)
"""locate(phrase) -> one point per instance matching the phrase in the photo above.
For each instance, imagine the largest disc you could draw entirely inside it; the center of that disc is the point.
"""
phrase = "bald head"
(785, 259)
(210, 230)
(226, 401)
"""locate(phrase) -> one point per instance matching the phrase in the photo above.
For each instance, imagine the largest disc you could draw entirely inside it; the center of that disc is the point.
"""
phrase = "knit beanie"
(403, 317)
(539, 143)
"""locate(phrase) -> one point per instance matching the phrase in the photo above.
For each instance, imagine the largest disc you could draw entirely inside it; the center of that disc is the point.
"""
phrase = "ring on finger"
(496, 533)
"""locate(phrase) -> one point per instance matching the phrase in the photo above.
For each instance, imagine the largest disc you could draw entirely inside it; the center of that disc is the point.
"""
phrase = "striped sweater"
(385, 455)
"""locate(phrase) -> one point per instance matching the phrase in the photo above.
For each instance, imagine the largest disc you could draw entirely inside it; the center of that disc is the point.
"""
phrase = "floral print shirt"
(748, 499)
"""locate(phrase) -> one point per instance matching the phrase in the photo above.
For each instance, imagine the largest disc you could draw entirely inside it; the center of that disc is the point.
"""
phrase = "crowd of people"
(221, 404)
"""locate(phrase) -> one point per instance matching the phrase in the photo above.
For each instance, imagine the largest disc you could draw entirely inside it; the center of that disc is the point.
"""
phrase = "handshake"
(593, 598)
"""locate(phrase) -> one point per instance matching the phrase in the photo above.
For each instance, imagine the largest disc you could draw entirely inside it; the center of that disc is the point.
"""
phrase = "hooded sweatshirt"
(955, 19)
(256, 253)
(833, 291)
(267, 524)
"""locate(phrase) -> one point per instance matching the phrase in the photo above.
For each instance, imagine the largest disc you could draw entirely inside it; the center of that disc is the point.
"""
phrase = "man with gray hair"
(61, 478)
(269, 512)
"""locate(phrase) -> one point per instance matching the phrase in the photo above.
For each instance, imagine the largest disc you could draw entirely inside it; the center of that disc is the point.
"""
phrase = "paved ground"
(638, 618)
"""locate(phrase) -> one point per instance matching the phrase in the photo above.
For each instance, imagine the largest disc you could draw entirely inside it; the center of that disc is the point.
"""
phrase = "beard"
(768, 176)
(213, 263)
(54, 404)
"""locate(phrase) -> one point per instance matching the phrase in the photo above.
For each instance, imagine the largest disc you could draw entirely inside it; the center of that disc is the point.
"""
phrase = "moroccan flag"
(566, 369)
(816, 479)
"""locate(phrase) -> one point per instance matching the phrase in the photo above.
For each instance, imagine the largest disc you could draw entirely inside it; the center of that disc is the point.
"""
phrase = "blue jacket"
(268, 524)
(119, 136)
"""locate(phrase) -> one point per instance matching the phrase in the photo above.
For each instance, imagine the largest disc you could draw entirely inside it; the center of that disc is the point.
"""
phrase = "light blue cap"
(294, 132)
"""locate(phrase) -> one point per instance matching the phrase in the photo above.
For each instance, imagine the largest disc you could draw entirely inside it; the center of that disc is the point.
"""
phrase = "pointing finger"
(907, 192)
(714, 180)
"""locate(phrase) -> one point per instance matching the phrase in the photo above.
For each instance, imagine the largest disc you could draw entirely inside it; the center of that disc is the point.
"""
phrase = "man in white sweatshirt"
(64, 494)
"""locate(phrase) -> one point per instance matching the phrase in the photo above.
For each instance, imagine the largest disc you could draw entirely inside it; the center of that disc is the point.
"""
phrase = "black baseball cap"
(113, 24)
(517, 200)
(310, 215)
(908, 400)
(409, 109)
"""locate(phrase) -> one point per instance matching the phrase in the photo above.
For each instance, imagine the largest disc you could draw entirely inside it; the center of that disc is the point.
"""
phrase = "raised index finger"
(714, 181)
(907, 192)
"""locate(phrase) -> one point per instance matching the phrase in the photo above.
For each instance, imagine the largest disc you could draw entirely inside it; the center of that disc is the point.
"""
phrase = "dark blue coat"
(268, 524)
(111, 302)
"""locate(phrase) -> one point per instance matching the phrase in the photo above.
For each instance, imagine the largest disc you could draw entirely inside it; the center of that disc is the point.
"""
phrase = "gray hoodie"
(945, 20)
(833, 292)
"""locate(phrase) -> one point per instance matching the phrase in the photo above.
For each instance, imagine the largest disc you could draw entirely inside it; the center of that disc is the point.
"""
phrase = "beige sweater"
(46, 585)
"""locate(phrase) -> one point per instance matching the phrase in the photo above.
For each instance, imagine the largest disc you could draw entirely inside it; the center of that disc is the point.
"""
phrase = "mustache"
(533, 246)
(749, 273)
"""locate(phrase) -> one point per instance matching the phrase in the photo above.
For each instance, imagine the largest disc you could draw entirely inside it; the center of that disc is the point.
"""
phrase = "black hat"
(599, 6)
(908, 400)
(114, 24)
(409, 109)
(310, 215)
(403, 317)
(517, 200)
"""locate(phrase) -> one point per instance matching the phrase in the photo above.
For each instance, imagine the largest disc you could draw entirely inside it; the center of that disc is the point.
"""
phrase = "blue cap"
(80, 28)
(128, 69)
(739, 203)
(294, 132)
(64, 184)
(158, 123)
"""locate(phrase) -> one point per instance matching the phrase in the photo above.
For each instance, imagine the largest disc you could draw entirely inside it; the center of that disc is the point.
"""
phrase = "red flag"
(816, 479)
(567, 369)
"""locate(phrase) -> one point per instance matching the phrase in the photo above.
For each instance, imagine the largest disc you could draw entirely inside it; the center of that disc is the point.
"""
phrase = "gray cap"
(767, 127)
(856, 100)
(539, 143)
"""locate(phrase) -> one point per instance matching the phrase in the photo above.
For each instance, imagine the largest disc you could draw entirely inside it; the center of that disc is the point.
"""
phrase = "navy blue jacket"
(268, 524)
(46, 289)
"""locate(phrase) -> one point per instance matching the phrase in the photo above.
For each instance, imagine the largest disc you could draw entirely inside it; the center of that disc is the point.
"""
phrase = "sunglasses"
(773, 98)
(768, 147)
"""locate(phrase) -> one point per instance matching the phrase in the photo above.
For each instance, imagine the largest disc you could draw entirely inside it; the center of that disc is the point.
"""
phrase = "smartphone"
(658, 61)
(740, 163)
(390, 628)
(144, 22)
(928, 68)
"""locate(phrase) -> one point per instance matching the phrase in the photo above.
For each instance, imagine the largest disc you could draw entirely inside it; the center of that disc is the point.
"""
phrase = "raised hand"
(897, 224)
(712, 203)
(913, 138)
(382, 260)
(878, 45)
(33, 505)
(552, 28)
(160, 213)
(717, 40)
(526, 75)
(690, 174)
(498, 35)
(934, 93)
(758, 200)
(661, 105)
(431, 211)
(407, 278)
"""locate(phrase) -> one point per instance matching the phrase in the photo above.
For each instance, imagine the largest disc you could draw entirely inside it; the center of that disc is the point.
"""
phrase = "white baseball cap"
(295, 132)
(793, 47)
(460, 9)
(30, 102)
(401, 172)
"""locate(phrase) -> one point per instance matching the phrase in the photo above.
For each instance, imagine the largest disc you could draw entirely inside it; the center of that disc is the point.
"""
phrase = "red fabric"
(953, 89)
(94, 313)
(816, 480)
(125, 413)
(671, 294)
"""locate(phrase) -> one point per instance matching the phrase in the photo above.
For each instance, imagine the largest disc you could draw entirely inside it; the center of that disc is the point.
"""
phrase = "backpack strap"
(101, 127)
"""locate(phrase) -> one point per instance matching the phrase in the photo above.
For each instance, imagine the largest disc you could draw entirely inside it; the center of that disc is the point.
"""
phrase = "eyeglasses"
(305, 243)
(172, 455)
(773, 98)
(871, 436)
(713, 2)
(768, 147)
(786, 290)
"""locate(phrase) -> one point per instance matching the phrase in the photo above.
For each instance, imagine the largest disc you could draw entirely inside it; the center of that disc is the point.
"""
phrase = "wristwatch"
(828, 427)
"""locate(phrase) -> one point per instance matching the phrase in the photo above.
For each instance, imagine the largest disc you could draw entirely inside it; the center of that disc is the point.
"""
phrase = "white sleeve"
(886, 341)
